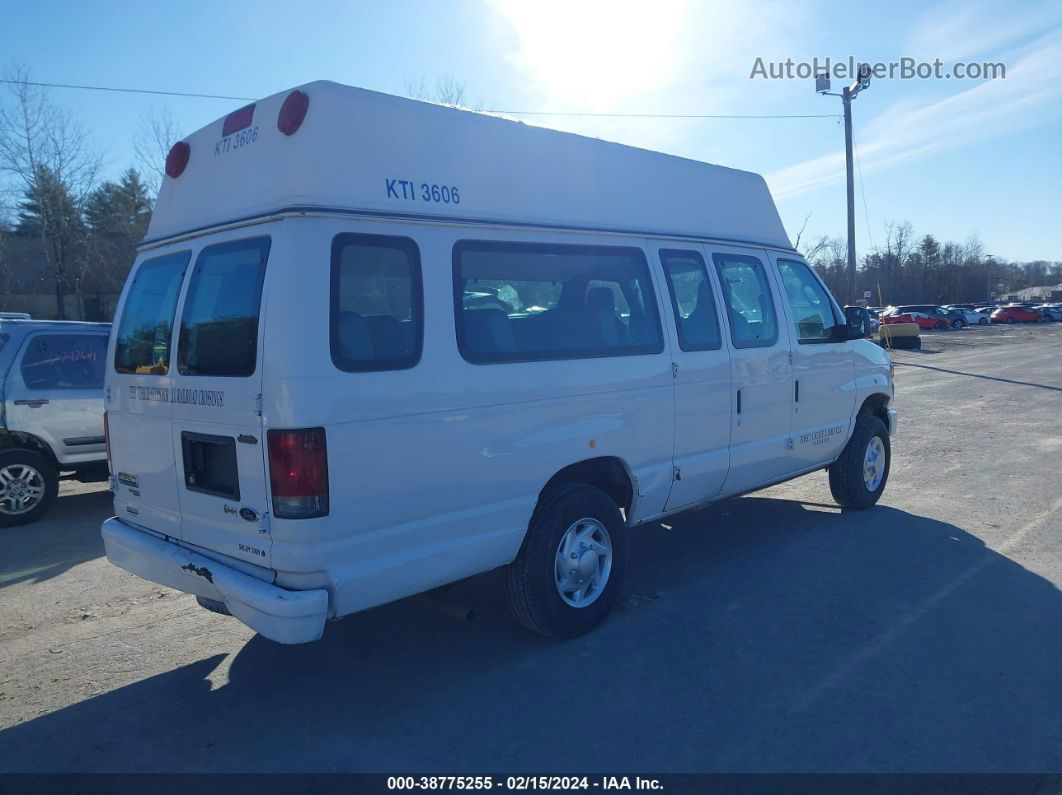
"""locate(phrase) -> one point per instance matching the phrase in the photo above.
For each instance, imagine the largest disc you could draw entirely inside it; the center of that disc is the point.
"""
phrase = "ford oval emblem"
(249, 514)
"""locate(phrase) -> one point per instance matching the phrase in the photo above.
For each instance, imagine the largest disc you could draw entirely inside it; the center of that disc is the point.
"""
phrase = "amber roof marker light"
(292, 112)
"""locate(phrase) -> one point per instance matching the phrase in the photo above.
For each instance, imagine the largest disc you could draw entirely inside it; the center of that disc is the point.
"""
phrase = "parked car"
(1050, 311)
(296, 441)
(1016, 314)
(51, 412)
(969, 316)
(929, 316)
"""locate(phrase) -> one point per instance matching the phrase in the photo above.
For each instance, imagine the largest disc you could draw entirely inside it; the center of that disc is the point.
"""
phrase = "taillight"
(298, 473)
(107, 440)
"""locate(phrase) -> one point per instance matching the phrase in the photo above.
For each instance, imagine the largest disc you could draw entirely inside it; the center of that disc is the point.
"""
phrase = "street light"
(861, 83)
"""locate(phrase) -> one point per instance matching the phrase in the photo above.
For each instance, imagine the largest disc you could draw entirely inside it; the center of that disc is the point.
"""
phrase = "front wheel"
(571, 567)
(858, 476)
(29, 484)
(983, 321)
(1010, 321)
(958, 323)
(940, 325)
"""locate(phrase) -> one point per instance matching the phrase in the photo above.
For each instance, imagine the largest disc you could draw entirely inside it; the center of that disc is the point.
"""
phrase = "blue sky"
(953, 157)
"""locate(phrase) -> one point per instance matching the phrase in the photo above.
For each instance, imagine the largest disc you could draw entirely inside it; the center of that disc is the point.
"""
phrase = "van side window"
(814, 318)
(377, 303)
(142, 342)
(219, 325)
(533, 302)
(691, 297)
(749, 305)
(64, 361)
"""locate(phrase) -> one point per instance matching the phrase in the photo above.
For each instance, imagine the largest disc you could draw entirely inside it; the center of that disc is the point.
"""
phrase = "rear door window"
(64, 361)
(219, 325)
(749, 304)
(377, 303)
(142, 342)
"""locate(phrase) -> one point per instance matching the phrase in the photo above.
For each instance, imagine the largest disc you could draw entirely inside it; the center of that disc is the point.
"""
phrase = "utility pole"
(988, 276)
(861, 83)
(846, 96)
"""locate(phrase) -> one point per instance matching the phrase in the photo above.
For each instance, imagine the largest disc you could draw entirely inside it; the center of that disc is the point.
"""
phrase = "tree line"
(71, 234)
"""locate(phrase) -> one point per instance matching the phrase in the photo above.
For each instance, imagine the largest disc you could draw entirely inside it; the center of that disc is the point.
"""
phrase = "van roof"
(355, 148)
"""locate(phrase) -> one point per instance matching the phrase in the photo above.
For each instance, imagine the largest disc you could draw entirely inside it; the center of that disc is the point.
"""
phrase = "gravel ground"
(767, 633)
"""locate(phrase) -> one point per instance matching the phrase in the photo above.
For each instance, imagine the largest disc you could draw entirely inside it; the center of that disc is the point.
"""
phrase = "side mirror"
(858, 322)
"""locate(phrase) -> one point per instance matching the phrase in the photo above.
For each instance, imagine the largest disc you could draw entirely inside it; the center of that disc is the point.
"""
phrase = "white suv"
(51, 411)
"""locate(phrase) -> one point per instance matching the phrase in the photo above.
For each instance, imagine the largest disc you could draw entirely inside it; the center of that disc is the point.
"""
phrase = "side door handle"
(796, 391)
(35, 403)
(739, 401)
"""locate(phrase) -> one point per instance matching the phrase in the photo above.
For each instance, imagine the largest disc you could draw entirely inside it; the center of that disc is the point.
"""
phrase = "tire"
(1010, 321)
(848, 482)
(213, 605)
(22, 471)
(940, 325)
(958, 323)
(983, 321)
(532, 591)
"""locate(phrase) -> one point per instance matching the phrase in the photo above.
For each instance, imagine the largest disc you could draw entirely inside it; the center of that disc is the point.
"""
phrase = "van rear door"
(217, 437)
(137, 395)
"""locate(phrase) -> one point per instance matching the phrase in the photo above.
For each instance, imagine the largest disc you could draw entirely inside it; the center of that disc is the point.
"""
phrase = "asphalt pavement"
(768, 633)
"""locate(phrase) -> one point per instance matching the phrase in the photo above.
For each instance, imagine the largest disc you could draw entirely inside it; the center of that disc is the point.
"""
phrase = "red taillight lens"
(107, 440)
(292, 112)
(177, 159)
(298, 473)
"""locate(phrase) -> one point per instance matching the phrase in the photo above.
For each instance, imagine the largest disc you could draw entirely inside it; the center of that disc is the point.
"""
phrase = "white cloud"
(908, 131)
(962, 29)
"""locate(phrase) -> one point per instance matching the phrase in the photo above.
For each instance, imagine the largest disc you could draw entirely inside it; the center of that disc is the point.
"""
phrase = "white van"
(372, 346)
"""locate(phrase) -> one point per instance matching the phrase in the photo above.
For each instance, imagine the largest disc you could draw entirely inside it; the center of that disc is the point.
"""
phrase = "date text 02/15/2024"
(410, 190)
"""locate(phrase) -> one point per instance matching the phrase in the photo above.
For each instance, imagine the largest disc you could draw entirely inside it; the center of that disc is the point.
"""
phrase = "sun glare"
(594, 54)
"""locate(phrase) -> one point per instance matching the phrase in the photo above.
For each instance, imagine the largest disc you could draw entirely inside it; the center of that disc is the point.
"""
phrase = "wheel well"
(877, 404)
(17, 440)
(606, 473)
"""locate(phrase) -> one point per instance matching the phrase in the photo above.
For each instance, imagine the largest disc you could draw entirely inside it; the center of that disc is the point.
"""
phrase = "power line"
(128, 90)
(588, 114)
(866, 212)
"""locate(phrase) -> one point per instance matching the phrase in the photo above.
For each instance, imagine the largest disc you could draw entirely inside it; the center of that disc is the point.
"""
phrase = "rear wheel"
(858, 476)
(958, 323)
(940, 325)
(1010, 321)
(29, 484)
(571, 567)
(983, 321)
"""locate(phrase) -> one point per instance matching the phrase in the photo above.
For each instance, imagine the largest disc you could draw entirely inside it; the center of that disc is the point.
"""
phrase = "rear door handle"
(739, 401)
(34, 403)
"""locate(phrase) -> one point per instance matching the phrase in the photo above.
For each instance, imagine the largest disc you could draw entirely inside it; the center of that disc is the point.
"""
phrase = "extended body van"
(372, 346)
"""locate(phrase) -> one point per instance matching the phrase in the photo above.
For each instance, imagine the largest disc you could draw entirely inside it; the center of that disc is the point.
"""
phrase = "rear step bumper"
(280, 615)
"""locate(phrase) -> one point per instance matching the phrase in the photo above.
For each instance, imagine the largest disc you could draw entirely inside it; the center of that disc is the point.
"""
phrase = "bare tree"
(47, 158)
(157, 133)
(447, 90)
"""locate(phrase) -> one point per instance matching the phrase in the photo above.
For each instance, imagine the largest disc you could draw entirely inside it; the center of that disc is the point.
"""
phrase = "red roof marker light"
(238, 120)
(292, 112)
(177, 159)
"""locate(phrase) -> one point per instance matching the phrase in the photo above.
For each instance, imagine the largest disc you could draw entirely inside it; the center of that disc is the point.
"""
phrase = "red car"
(923, 321)
(1016, 314)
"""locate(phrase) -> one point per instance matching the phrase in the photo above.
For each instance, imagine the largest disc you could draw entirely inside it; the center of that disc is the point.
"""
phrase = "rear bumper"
(278, 614)
(894, 421)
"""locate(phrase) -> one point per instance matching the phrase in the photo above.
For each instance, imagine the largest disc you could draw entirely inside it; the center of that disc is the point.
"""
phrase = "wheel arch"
(20, 440)
(876, 405)
(608, 473)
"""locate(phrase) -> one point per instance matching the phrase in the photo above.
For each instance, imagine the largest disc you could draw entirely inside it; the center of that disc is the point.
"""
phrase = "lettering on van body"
(821, 437)
(409, 190)
(238, 140)
(214, 398)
